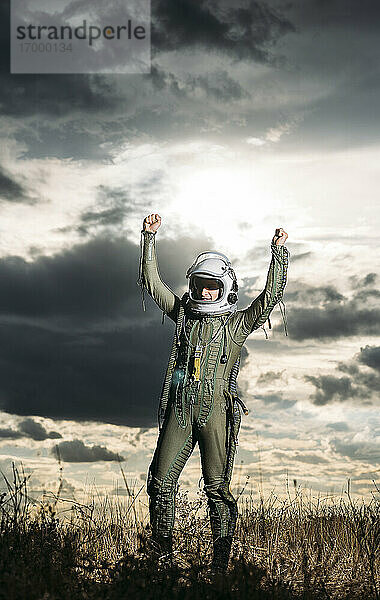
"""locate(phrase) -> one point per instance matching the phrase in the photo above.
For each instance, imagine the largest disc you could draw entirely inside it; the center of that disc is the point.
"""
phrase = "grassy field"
(287, 549)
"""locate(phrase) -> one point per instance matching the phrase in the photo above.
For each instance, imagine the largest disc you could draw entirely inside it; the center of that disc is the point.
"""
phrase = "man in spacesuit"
(199, 401)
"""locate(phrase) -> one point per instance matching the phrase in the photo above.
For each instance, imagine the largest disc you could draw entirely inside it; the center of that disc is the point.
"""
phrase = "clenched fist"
(279, 237)
(152, 222)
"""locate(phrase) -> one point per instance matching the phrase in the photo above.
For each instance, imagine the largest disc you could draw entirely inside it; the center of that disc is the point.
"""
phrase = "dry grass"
(286, 549)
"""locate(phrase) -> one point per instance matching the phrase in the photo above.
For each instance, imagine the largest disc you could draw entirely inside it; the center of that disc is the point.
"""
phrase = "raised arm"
(167, 301)
(258, 312)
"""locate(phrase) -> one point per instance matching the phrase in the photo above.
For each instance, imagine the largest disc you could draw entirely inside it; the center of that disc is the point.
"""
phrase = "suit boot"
(162, 549)
(222, 549)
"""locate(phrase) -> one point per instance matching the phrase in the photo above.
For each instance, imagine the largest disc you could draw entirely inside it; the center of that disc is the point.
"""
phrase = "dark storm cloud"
(305, 294)
(301, 256)
(366, 295)
(87, 281)
(71, 138)
(332, 60)
(258, 252)
(55, 95)
(112, 207)
(89, 116)
(368, 451)
(242, 31)
(93, 280)
(10, 434)
(114, 204)
(270, 377)
(74, 341)
(248, 286)
(11, 190)
(137, 438)
(338, 426)
(276, 400)
(368, 279)
(358, 384)
(31, 429)
(339, 13)
(370, 356)
(112, 377)
(165, 80)
(330, 387)
(76, 451)
(246, 32)
(219, 85)
(36, 431)
(332, 322)
(322, 312)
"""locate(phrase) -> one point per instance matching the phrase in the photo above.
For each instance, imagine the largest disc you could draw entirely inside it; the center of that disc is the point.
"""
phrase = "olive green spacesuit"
(202, 407)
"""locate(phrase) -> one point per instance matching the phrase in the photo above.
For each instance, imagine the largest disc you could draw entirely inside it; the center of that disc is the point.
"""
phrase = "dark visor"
(197, 284)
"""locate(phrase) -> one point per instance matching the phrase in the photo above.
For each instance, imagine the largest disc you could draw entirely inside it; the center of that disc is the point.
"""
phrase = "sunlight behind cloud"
(228, 202)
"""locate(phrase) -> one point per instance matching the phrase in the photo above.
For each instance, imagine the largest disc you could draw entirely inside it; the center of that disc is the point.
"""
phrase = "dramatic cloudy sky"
(255, 115)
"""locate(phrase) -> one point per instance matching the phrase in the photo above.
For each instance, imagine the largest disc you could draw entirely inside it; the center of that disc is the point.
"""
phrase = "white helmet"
(213, 265)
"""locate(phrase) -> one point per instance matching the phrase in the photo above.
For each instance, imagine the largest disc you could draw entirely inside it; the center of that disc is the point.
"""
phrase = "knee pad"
(227, 496)
(219, 491)
(157, 486)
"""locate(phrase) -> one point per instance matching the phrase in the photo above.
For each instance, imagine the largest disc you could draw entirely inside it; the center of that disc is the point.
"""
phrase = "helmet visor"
(205, 288)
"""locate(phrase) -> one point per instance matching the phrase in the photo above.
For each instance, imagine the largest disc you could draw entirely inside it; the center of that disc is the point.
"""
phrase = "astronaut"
(199, 401)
